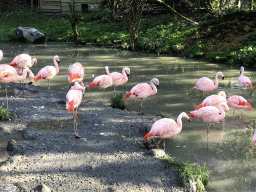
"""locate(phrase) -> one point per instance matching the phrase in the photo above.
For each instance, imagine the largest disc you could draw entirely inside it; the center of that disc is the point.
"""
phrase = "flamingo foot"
(157, 146)
(76, 135)
(103, 96)
(208, 131)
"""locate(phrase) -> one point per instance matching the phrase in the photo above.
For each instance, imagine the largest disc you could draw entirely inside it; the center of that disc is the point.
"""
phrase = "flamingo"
(30, 74)
(254, 138)
(48, 72)
(102, 81)
(73, 100)
(9, 74)
(23, 61)
(206, 85)
(1, 55)
(76, 73)
(143, 90)
(118, 78)
(210, 114)
(238, 102)
(165, 128)
(213, 100)
(244, 81)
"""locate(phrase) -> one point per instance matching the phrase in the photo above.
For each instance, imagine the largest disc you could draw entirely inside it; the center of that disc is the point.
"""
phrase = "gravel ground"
(109, 156)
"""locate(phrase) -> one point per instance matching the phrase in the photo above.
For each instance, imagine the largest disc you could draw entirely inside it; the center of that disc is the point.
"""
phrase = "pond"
(227, 151)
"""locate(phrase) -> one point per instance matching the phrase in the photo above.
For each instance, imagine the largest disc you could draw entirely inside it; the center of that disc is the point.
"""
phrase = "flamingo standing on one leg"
(254, 138)
(143, 90)
(102, 81)
(238, 102)
(165, 128)
(48, 72)
(73, 100)
(210, 114)
(9, 74)
(118, 78)
(213, 100)
(206, 85)
(76, 73)
(244, 81)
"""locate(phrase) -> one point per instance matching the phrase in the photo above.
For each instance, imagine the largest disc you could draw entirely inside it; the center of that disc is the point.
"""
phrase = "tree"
(74, 21)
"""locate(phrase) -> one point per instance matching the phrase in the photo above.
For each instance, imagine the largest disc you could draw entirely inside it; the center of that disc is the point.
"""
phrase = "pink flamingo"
(48, 72)
(73, 100)
(238, 102)
(165, 128)
(118, 78)
(244, 81)
(254, 138)
(143, 90)
(76, 73)
(23, 61)
(102, 81)
(210, 114)
(213, 100)
(206, 85)
(9, 74)
(1, 55)
(30, 74)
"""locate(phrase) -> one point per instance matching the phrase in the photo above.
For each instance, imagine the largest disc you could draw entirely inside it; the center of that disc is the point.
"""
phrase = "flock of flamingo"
(211, 109)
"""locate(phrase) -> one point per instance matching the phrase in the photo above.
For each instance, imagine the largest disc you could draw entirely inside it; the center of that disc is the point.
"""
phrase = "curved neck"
(107, 70)
(56, 65)
(179, 122)
(222, 112)
(154, 90)
(23, 76)
(216, 81)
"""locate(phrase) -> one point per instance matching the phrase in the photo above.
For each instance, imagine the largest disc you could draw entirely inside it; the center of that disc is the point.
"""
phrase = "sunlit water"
(227, 152)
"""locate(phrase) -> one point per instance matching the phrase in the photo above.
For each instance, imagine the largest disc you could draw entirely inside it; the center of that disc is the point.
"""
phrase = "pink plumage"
(238, 102)
(23, 61)
(76, 73)
(73, 100)
(118, 78)
(102, 81)
(213, 100)
(244, 81)
(30, 73)
(165, 128)
(206, 85)
(1, 55)
(9, 74)
(143, 90)
(48, 72)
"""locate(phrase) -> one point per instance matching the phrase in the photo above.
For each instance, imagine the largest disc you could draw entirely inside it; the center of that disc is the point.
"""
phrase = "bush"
(118, 101)
(245, 55)
(5, 114)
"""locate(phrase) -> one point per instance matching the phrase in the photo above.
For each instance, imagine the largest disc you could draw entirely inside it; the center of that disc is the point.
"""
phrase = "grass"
(5, 114)
(163, 114)
(188, 173)
(117, 101)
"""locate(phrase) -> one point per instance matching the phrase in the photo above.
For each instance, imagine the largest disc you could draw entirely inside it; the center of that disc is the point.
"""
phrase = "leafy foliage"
(5, 114)
(118, 101)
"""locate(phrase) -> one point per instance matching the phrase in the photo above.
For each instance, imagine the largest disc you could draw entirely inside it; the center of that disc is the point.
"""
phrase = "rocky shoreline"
(109, 156)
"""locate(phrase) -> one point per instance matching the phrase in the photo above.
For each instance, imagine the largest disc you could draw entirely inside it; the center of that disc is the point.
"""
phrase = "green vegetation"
(163, 114)
(117, 101)
(188, 173)
(5, 114)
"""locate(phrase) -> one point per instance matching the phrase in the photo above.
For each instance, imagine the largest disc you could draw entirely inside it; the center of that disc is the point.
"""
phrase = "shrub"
(118, 101)
(5, 114)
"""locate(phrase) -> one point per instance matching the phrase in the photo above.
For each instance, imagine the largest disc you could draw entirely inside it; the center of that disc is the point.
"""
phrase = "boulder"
(29, 34)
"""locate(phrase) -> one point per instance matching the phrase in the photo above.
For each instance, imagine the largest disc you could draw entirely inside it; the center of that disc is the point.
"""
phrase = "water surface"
(227, 151)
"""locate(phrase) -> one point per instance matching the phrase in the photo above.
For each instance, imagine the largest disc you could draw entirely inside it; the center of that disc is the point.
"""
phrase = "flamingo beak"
(157, 86)
(189, 120)
(222, 77)
(58, 61)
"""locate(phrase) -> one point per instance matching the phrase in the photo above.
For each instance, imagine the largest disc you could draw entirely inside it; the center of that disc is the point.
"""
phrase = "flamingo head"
(33, 61)
(224, 106)
(56, 58)
(127, 71)
(222, 94)
(155, 81)
(241, 70)
(220, 74)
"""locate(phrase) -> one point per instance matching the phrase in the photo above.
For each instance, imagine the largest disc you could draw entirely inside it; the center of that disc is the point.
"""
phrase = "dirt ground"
(109, 156)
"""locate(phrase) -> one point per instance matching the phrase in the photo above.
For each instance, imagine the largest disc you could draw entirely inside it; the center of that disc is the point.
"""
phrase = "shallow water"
(227, 151)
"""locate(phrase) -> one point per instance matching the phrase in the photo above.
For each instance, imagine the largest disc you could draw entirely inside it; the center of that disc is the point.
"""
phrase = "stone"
(156, 153)
(29, 34)
(11, 145)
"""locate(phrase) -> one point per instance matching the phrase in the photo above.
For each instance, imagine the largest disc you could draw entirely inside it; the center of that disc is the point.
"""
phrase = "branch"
(178, 14)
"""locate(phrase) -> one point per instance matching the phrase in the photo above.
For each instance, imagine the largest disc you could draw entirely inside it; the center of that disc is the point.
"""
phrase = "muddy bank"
(109, 156)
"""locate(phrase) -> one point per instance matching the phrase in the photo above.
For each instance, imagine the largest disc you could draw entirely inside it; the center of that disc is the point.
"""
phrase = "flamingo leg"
(157, 145)
(48, 83)
(115, 90)
(164, 144)
(5, 88)
(208, 133)
(103, 93)
(141, 106)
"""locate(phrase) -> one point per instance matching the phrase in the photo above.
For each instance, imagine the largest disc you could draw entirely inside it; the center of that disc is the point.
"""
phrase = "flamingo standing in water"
(102, 81)
(23, 61)
(9, 74)
(244, 81)
(165, 128)
(254, 138)
(76, 73)
(143, 90)
(213, 100)
(238, 102)
(48, 72)
(118, 78)
(73, 100)
(206, 85)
